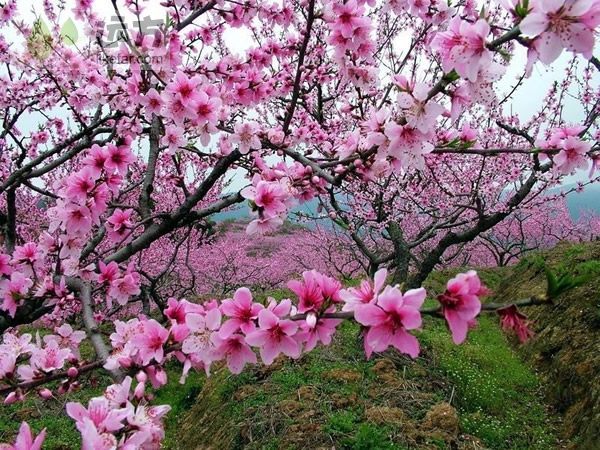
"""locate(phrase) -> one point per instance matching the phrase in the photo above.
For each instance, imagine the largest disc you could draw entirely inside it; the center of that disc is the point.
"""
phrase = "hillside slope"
(566, 350)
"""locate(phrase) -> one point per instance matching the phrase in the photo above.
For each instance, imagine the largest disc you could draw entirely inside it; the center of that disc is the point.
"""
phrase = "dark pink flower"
(242, 312)
(461, 304)
(275, 335)
(389, 320)
(512, 320)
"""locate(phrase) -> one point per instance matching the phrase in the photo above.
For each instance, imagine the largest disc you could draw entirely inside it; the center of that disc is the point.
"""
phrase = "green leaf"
(40, 28)
(69, 33)
(552, 284)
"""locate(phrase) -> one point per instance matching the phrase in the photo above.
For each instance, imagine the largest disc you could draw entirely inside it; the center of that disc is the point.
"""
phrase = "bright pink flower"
(119, 158)
(8, 360)
(264, 224)
(150, 343)
(108, 272)
(268, 197)
(562, 24)
(235, 349)
(573, 155)
(95, 160)
(13, 291)
(152, 101)
(201, 326)
(178, 310)
(512, 320)
(309, 293)
(242, 312)
(123, 288)
(322, 331)
(463, 47)
(100, 412)
(50, 357)
(5, 268)
(119, 224)
(174, 138)
(28, 254)
(246, 136)
(420, 112)
(275, 335)
(67, 337)
(25, 440)
(461, 304)
(80, 184)
(117, 395)
(75, 218)
(390, 318)
(364, 294)
(92, 439)
(183, 88)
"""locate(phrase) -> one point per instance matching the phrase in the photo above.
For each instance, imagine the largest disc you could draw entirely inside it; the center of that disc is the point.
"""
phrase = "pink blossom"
(8, 359)
(152, 101)
(149, 344)
(75, 218)
(512, 320)
(13, 291)
(108, 272)
(309, 293)
(178, 310)
(264, 224)
(461, 304)
(364, 294)
(201, 326)
(67, 337)
(463, 47)
(173, 138)
(246, 136)
(275, 335)
(421, 113)
(50, 357)
(25, 439)
(5, 268)
(92, 439)
(235, 349)
(100, 412)
(26, 254)
(390, 318)
(123, 288)
(267, 197)
(562, 24)
(119, 158)
(119, 224)
(95, 160)
(242, 312)
(322, 331)
(80, 184)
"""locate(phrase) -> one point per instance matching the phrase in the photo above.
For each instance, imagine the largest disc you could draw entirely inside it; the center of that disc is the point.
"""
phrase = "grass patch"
(497, 394)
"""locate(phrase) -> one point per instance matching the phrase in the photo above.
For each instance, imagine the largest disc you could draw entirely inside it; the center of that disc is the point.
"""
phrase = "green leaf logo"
(39, 42)
(69, 33)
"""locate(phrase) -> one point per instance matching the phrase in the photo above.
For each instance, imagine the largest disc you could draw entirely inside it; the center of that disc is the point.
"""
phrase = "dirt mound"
(381, 404)
(566, 349)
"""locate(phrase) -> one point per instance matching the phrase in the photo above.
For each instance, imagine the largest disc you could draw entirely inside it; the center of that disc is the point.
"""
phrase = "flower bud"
(45, 393)
(72, 372)
(141, 376)
(13, 397)
(139, 390)
(311, 319)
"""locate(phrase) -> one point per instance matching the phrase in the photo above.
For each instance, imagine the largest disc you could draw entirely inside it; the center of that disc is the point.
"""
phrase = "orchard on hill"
(120, 137)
